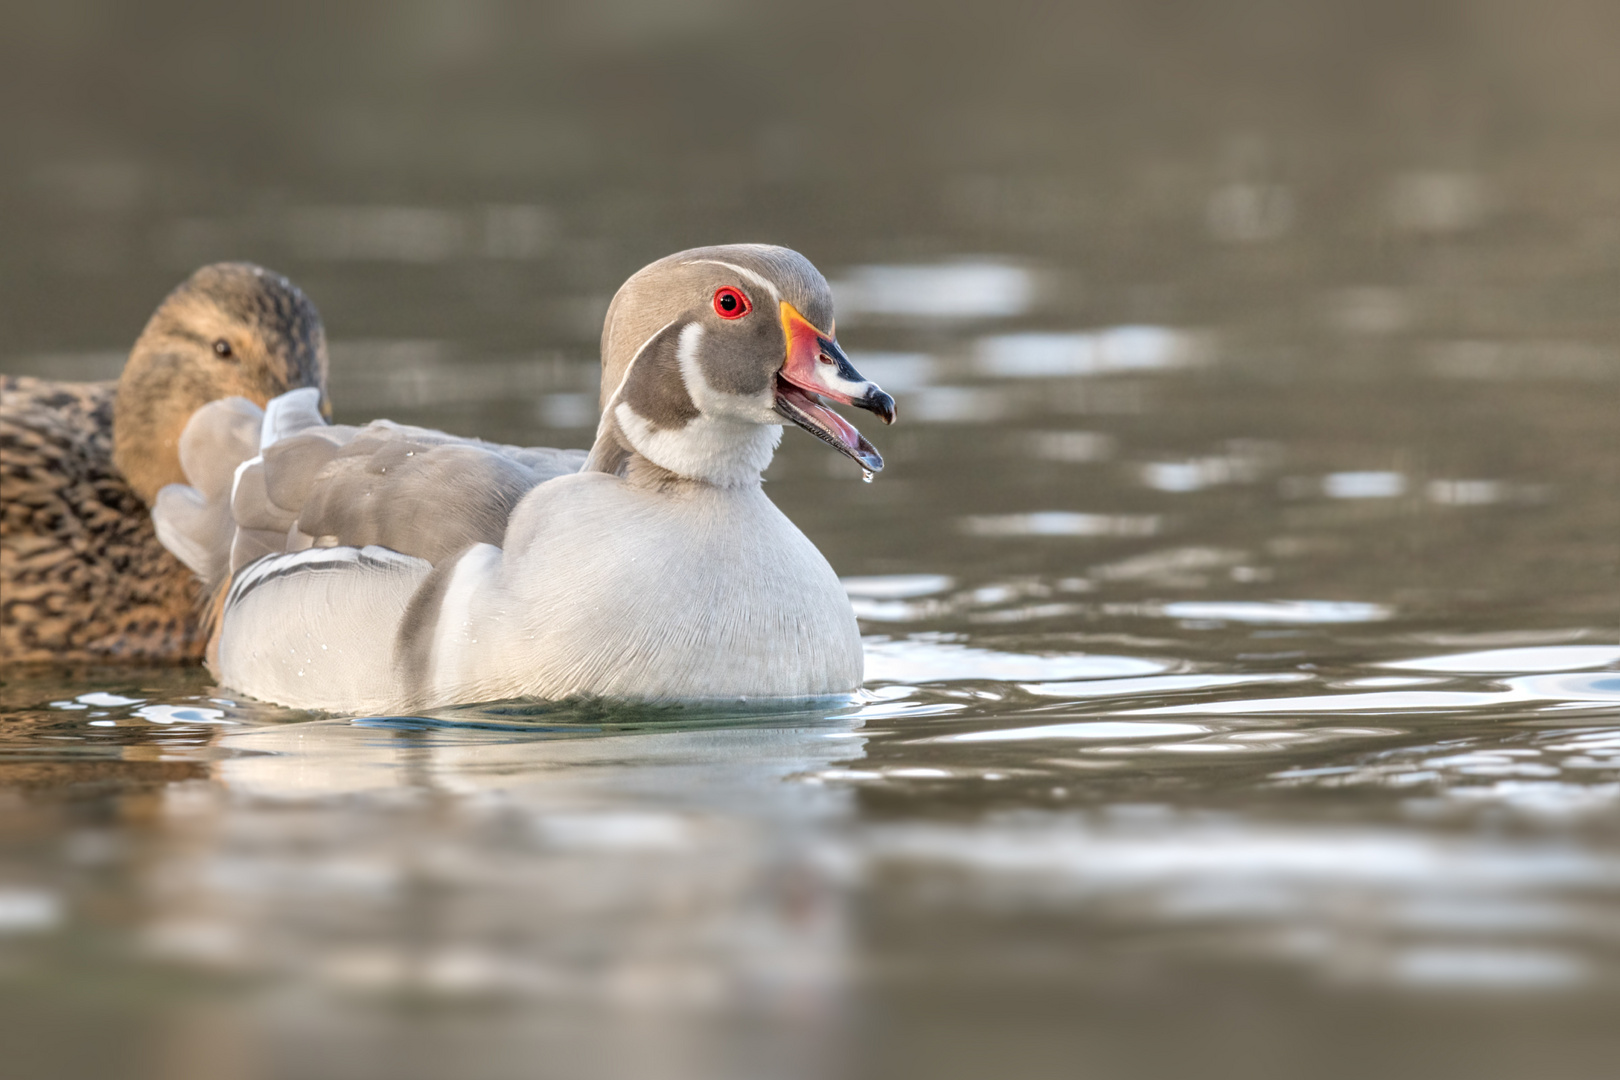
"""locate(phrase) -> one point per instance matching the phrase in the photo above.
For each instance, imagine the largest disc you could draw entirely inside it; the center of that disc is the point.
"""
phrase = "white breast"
(607, 589)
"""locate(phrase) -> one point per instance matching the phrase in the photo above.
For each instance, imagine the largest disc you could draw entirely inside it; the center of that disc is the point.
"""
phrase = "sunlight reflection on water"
(1278, 611)
(962, 290)
(917, 660)
(1118, 349)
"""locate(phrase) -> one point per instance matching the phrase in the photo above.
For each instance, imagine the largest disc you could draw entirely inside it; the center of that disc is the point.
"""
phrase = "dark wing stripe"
(313, 560)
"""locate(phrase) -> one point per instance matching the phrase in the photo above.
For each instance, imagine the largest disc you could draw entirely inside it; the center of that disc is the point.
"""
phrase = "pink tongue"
(832, 421)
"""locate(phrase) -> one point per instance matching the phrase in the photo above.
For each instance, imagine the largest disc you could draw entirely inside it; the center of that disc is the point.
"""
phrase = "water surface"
(1240, 597)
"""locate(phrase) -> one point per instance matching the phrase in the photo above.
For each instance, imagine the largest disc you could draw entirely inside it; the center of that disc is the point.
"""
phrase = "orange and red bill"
(816, 372)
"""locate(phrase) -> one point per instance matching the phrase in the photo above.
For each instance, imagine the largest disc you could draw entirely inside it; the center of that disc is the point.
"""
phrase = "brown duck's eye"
(730, 304)
(222, 349)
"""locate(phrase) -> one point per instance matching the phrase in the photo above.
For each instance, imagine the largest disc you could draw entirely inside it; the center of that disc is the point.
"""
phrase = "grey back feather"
(395, 488)
(284, 480)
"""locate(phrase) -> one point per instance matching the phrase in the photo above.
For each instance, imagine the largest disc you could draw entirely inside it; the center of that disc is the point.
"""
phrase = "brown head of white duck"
(708, 353)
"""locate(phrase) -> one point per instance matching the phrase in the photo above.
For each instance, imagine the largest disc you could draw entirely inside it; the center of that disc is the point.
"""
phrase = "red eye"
(731, 304)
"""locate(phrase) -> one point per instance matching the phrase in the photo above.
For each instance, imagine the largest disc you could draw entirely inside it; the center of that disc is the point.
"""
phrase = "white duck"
(391, 568)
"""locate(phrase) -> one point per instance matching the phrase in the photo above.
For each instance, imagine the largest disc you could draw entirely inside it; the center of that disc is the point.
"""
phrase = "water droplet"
(866, 476)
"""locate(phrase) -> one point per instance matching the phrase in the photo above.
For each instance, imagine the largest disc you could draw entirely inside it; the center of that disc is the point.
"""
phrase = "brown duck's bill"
(817, 371)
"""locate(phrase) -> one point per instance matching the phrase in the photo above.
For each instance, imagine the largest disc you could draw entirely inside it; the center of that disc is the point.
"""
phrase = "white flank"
(455, 635)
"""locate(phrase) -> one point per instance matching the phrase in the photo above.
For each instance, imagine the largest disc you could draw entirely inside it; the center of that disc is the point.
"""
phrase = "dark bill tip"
(877, 401)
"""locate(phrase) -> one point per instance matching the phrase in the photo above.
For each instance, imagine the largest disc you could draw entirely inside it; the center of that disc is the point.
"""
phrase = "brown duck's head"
(230, 330)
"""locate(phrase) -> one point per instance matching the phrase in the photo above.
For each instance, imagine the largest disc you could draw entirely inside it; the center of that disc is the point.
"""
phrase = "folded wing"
(284, 481)
(314, 538)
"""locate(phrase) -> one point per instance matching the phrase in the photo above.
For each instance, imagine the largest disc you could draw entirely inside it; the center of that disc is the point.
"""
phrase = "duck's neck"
(149, 413)
(638, 471)
(715, 451)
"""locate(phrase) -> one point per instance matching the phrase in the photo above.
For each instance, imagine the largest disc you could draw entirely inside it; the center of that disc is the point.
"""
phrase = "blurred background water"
(1242, 596)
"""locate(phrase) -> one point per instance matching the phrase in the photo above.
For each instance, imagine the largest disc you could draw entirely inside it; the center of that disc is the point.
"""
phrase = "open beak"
(817, 371)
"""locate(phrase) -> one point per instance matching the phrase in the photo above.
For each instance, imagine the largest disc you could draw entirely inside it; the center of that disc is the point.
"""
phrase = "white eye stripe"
(762, 282)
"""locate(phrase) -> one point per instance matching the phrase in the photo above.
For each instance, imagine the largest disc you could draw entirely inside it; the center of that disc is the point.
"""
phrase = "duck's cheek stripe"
(654, 388)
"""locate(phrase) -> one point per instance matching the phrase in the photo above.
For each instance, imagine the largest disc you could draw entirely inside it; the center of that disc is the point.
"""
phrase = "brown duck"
(82, 575)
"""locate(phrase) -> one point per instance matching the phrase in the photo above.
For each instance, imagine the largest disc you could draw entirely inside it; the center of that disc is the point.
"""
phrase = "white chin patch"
(719, 450)
(730, 442)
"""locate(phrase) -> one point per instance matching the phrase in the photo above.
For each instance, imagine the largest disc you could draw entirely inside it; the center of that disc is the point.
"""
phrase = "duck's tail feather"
(182, 518)
(223, 518)
(292, 412)
(193, 520)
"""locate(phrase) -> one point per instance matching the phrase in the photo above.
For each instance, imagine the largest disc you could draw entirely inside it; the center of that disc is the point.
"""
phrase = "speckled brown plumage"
(82, 575)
